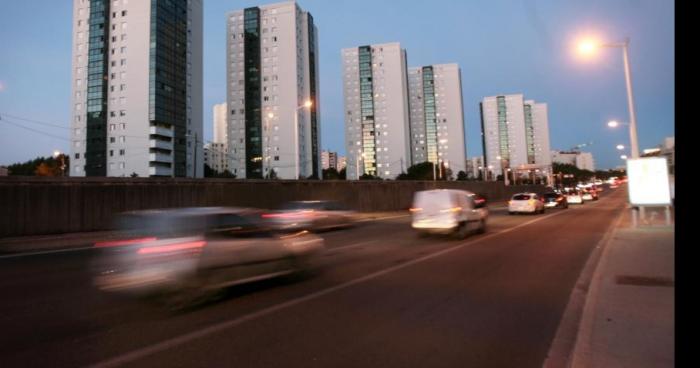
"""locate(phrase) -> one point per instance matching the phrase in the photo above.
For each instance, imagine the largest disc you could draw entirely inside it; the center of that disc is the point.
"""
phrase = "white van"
(449, 211)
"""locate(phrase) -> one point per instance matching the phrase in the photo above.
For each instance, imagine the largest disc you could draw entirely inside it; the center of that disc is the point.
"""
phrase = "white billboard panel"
(648, 182)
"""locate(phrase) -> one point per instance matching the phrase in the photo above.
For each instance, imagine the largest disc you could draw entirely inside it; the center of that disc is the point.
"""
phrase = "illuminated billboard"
(648, 182)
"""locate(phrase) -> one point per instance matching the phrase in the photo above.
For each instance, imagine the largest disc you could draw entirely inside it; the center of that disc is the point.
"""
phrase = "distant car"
(555, 200)
(448, 211)
(587, 196)
(311, 215)
(525, 203)
(182, 256)
(574, 197)
(594, 193)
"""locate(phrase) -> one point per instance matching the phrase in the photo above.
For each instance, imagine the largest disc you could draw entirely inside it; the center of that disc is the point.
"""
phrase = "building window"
(122, 152)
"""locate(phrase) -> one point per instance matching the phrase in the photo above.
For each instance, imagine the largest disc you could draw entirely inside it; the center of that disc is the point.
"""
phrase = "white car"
(448, 211)
(587, 196)
(574, 198)
(525, 203)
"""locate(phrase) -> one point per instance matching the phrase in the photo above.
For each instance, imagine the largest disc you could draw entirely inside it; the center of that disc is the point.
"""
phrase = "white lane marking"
(182, 339)
(45, 252)
(352, 245)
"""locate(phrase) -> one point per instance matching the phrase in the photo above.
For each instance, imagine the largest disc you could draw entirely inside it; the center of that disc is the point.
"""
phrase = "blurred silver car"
(184, 255)
(311, 215)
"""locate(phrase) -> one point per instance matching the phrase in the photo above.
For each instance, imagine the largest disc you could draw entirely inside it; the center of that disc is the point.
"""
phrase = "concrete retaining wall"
(34, 206)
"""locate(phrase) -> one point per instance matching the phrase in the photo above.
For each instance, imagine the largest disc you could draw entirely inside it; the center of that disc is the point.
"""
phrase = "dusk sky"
(502, 47)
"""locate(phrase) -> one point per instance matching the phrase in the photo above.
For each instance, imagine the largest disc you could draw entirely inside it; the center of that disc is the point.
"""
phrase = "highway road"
(384, 298)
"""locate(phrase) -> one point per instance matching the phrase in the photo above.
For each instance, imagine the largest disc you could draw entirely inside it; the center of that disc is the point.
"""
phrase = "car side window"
(236, 226)
(470, 202)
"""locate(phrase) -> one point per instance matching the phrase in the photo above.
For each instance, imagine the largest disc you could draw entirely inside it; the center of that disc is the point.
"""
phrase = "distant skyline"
(502, 47)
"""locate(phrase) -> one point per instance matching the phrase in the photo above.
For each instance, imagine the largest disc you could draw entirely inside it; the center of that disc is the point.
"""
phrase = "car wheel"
(186, 298)
(482, 227)
(462, 231)
(422, 234)
(511, 213)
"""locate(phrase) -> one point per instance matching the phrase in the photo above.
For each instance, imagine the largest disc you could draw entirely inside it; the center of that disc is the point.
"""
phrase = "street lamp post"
(504, 172)
(357, 164)
(588, 47)
(307, 105)
(266, 153)
(57, 154)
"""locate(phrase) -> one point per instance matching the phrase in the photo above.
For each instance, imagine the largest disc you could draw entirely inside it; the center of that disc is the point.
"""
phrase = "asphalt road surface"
(384, 298)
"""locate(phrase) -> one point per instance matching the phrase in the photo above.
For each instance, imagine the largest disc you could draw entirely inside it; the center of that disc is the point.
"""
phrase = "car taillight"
(177, 247)
(288, 215)
(415, 209)
(121, 243)
(453, 209)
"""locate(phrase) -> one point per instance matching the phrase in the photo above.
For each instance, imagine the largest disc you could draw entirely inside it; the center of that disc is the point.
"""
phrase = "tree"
(421, 171)
(134, 175)
(342, 175)
(45, 170)
(331, 174)
(462, 176)
(41, 166)
(369, 177)
(424, 171)
(211, 173)
(570, 174)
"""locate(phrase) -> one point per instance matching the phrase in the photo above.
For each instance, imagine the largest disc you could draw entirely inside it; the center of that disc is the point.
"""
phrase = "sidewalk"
(628, 319)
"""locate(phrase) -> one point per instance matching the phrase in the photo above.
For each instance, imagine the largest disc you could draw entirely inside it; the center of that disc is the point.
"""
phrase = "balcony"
(160, 157)
(165, 132)
(157, 143)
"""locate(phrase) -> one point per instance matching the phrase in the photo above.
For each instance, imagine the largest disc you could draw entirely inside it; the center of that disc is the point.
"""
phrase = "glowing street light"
(620, 147)
(624, 157)
(589, 46)
(57, 154)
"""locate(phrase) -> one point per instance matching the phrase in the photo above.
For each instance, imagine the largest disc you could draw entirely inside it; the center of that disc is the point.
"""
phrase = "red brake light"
(173, 247)
(121, 243)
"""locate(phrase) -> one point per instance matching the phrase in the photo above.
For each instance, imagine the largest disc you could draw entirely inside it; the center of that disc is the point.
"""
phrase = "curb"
(572, 329)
